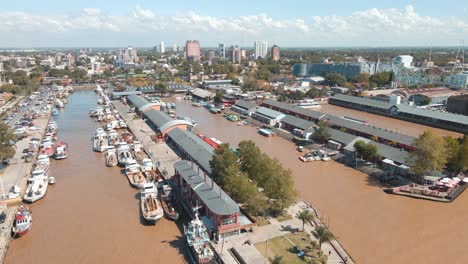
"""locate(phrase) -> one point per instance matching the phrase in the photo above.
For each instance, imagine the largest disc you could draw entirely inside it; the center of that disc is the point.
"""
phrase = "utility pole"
(266, 251)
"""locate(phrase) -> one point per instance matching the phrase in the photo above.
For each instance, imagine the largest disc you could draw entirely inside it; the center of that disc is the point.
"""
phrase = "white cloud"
(372, 27)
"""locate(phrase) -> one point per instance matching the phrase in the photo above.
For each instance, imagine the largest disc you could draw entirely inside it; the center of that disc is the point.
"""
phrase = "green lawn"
(279, 248)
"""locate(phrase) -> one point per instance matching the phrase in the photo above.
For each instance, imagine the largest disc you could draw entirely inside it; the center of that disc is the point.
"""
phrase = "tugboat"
(61, 151)
(198, 241)
(23, 221)
(150, 205)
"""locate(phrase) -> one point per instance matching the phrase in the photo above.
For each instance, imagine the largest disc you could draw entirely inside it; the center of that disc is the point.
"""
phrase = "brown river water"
(91, 215)
(374, 227)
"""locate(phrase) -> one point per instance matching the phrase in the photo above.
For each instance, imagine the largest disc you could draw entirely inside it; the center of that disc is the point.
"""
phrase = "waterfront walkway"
(276, 229)
(161, 154)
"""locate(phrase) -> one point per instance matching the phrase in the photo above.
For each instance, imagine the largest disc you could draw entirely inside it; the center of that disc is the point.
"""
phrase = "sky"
(293, 23)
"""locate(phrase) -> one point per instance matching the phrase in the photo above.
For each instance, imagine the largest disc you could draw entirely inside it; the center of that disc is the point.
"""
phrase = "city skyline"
(144, 24)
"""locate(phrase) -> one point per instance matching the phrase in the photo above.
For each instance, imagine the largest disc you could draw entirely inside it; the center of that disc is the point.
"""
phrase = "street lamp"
(266, 251)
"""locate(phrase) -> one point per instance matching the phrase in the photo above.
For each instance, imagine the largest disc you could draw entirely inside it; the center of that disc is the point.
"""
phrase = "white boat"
(100, 101)
(123, 154)
(99, 131)
(61, 151)
(308, 104)
(59, 103)
(112, 137)
(37, 189)
(151, 208)
(147, 165)
(52, 180)
(100, 142)
(122, 124)
(134, 174)
(42, 163)
(111, 157)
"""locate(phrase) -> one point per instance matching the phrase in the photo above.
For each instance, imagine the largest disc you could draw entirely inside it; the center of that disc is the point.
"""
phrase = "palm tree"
(305, 215)
(323, 235)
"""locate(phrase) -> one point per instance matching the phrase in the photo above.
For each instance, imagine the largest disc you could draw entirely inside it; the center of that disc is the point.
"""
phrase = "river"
(92, 214)
(373, 226)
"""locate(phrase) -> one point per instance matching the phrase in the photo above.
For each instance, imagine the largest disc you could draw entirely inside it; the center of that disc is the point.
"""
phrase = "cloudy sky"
(304, 23)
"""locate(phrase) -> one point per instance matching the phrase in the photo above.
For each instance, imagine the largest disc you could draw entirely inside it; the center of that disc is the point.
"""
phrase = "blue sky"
(287, 23)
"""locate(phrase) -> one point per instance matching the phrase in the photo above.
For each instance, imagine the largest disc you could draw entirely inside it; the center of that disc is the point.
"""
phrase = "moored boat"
(134, 174)
(61, 150)
(100, 142)
(265, 132)
(52, 180)
(37, 189)
(123, 154)
(55, 112)
(111, 157)
(166, 202)
(151, 208)
(198, 241)
(23, 221)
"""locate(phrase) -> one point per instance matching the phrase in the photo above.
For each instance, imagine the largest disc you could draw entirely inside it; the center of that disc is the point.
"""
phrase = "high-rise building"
(1, 66)
(235, 54)
(174, 48)
(275, 53)
(127, 55)
(261, 49)
(192, 49)
(222, 50)
(211, 55)
(162, 49)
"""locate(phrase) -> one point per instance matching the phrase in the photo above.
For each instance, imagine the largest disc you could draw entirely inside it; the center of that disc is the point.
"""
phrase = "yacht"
(100, 142)
(123, 154)
(150, 206)
(23, 221)
(112, 137)
(147, 165)
(37, 189)
(308, 104)
(111, 157)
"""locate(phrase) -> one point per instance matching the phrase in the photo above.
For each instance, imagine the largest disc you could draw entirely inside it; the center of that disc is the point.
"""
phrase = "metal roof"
(137, 101)
(362, 101)
(444, 116)
(200, 151)
(288, 109)
(214, 198)
(385, 151)
(370, 130)
(125, 93)
(163, 121)
(245, 104)
(202, 93)
(269, 113)
(297, 122)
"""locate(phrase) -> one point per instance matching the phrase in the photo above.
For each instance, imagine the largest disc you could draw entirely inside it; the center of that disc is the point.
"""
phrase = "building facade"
(192, 49)
(222, 50)
(128, 55)
(261, 49)
(162, 49)
(235, 54)
(275, 53)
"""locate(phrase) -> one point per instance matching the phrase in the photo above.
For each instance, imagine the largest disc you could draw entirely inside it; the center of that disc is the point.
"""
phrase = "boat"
(308, 104)
(61, 150)
(59, 103)
(37, 189)
(123, 154)
(265, 132)
(52, 128)
(151, 208)
(198, 241)
(111, 157)
(311, 156)
(197, 104)
(215, 110)
(147, 165)
(55, 112)
(166, 202)
(52, 180)
(47, 148)
(42, 162)
(134, 174)
(112, 137)
(100, 142)
(122, 124)
(23, 221)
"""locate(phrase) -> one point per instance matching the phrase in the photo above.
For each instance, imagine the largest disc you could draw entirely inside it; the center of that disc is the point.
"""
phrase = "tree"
(20, 78)
(138, 71)
(312, 92)
(367, 151)
(305, 216)
(7, 151)
(218, 98)
(362, 77)
(335, 79)
(321, 133)
(222, 159)
(429, 154)
(381, 78)
(323, 235)
(457, 153)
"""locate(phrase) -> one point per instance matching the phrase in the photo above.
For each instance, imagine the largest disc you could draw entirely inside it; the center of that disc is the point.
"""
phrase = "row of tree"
(253, 178)
(434, 153)
(7, 139)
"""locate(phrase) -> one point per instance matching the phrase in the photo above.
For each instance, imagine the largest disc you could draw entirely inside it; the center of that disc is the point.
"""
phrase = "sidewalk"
(160, 153)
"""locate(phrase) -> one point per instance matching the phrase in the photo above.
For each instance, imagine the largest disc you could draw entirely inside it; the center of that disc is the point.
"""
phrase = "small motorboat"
(52, 180)
(61, 151)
